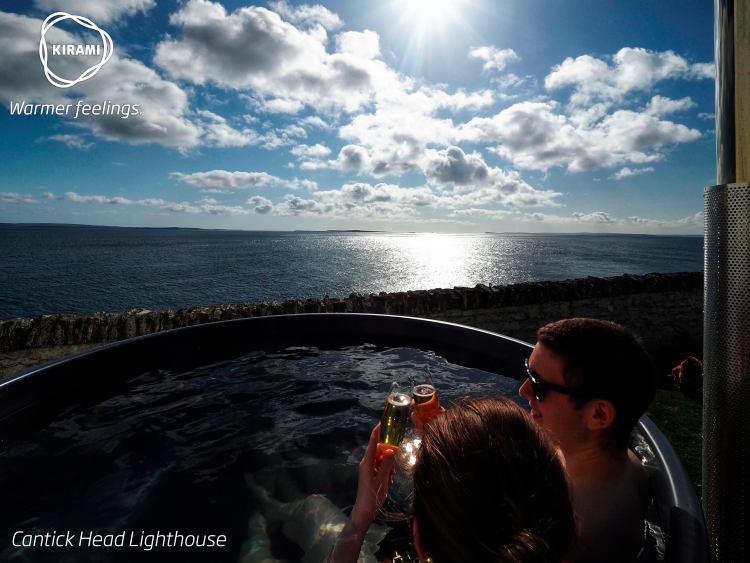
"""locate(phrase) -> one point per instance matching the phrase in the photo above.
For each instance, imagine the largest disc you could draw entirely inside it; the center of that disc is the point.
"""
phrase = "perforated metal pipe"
(726, 396)
(726, 348)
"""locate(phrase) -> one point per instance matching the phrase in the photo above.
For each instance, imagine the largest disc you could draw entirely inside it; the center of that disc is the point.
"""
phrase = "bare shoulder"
(611, 509)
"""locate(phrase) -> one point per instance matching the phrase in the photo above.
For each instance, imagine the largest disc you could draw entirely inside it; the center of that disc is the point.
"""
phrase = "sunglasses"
(540, 387)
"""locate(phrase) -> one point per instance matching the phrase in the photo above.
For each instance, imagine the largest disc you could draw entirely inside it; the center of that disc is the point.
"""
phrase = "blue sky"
(410, 115)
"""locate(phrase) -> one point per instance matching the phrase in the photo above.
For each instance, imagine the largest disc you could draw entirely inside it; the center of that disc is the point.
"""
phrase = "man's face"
(555, 411)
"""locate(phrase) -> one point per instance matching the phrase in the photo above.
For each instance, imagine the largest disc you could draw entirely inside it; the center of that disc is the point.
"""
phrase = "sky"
(402, 115)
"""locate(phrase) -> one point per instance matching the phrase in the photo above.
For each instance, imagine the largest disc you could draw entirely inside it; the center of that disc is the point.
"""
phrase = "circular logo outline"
(107, 50)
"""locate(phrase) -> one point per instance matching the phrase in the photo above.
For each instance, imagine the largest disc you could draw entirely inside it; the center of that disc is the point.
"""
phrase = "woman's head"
(490, 486)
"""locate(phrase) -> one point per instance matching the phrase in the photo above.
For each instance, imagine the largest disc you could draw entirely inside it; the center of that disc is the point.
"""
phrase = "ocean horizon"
(82, 269)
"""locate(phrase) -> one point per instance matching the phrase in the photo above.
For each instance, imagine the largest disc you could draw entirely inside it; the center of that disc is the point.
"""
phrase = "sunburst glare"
(422, 24)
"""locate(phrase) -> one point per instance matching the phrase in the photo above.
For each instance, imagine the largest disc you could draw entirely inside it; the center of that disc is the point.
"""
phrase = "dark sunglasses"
(540, 387)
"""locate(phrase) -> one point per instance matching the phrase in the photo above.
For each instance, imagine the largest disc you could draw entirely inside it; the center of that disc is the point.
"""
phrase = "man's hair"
(490, 486)
(610, 362)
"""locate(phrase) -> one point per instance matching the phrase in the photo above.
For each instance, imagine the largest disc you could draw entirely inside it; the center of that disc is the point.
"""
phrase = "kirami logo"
(73, 50)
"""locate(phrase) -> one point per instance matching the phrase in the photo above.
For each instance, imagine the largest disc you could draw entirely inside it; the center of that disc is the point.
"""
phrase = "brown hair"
(489, 486)
(609, 361)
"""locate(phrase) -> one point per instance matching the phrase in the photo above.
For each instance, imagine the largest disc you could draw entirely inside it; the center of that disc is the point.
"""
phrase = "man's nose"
(526, 391)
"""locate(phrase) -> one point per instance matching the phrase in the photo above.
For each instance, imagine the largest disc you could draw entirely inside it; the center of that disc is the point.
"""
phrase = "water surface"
(85, 270)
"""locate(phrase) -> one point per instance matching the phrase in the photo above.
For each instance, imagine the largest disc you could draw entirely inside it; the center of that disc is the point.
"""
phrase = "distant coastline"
(63, 226)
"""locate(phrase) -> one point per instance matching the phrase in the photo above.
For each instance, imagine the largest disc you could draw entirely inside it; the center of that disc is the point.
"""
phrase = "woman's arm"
(371, 492)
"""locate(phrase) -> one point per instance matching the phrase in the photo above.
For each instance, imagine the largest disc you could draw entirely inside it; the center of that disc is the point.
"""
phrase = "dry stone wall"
(659, 307)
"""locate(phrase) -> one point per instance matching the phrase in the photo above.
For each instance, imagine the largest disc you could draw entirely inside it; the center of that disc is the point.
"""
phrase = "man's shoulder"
(611, 511)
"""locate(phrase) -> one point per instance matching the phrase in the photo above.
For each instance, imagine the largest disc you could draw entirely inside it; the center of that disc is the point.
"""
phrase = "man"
(589, 383)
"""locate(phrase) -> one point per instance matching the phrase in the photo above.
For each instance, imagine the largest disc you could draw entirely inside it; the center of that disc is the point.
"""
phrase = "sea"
(51, 269)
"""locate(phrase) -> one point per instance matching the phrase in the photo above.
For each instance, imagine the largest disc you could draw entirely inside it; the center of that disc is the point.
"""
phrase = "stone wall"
(662, 308)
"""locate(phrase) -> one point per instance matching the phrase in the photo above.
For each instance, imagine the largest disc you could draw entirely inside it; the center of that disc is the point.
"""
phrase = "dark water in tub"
(258, 449)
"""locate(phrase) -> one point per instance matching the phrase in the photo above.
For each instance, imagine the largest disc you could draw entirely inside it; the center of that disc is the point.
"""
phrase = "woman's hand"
(373, 484)
(371, 492)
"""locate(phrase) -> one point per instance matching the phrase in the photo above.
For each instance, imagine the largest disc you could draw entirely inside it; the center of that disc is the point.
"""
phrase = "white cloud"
(74, 197)
(365, 44)
(261, 205)
(48, 195)
(100, 11)
(659, 106)
(307, 152)
(219, 133)
(72, 141)
(706, 116)
(626, 172)
(185, 207)
(532, 135)
(13, 197)
(632, 69)
(493, 57)
(481, 213)
(315, 121)
(206, 205)
(222, 179)
(286, 67)
(304, 184)
(691, 221)
(353, 157)
(306, 14)
(598, 217)
(359, 193)
(293, 131)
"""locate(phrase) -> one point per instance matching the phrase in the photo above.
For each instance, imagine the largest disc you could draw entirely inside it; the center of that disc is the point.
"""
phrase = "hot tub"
(187, 433)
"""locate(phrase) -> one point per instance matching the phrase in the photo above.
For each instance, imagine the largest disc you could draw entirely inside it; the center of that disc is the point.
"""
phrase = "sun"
(421, 25)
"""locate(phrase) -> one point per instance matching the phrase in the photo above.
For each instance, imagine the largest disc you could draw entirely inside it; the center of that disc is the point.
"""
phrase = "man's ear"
(418, 541)
(601, 414)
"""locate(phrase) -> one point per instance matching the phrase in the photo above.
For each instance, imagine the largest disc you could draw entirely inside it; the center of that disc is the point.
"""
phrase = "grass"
(679, 415)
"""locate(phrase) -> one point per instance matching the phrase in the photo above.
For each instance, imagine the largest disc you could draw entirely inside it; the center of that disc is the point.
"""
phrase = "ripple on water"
(252, 448)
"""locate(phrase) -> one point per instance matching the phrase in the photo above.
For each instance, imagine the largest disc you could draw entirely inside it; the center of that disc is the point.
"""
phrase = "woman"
(489, 486)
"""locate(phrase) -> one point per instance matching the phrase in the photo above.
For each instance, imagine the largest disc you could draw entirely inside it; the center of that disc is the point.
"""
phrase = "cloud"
(659, 106)
(287, 68)
(315, 151)
(206, 205)
(293, 131)
(598, 217)
(476, 183)
(365, 44)
(13, 197)
(297, 184)
(632, 69)
(185, 207)
(626, 172)
(345, 205)
(261, 205)
(100, 11)
(533, 135)
(123, 81)
(691, 221)
(353, 157)
(72, 141)
(359, 193)
(481, 213)
(222, 179)
(453, 166)
(493, 57)
(706, 116)
(74, 197)
(48, 195)
(306, 14)
(219, 133)
(315, 121)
